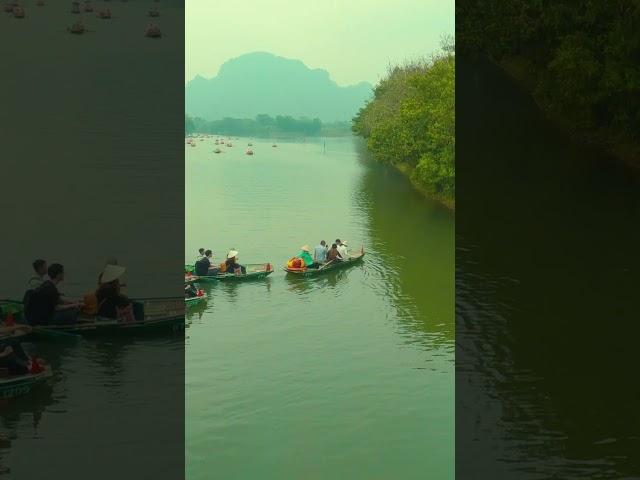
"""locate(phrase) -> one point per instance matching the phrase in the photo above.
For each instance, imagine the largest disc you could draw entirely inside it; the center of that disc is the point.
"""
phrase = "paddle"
(57, 333)
(327, 264)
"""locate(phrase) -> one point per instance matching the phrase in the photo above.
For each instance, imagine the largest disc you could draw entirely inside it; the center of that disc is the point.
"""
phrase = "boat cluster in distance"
(78, 27)
(192, 140)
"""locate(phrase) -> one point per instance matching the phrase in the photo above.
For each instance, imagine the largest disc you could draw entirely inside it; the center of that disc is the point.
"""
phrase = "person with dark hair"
(333, 255)
(47, 306)
(201, 254)
(40, 267)
(204, 267)
(320, 253)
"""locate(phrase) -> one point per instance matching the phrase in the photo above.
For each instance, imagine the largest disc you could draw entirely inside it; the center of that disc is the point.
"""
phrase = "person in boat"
(111, 301)
(40, 267)
(47, 306)
(232, 263)
(13, 358)
(320, 253)
(305, 256)
(204, 267)
(342, 250)
(333, 255)
(190, 291)
(200, 254)
(109, 261)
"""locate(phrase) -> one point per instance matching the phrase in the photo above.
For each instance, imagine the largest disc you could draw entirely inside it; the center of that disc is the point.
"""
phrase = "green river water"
(347, 375)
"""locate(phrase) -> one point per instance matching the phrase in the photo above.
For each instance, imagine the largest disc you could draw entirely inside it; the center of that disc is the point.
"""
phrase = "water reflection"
(546, 321)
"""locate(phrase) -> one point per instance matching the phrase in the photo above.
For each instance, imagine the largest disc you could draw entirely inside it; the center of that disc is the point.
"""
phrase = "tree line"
(581, 60)
(410, 122)
(265, 126)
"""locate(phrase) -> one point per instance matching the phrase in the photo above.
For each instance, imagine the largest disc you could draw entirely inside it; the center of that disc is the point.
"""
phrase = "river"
(546, 293)
(347, 375)
(91, 147)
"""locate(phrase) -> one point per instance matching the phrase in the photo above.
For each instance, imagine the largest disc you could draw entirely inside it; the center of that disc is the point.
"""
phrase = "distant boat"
(88, 7)
(77, 28)
(229, 144)
(154, 12)
(75, 7)
(105, 14)
(18, 12)
(249, 151)
(274, 145)
(217, 150)
(250, 144)
(154, 32)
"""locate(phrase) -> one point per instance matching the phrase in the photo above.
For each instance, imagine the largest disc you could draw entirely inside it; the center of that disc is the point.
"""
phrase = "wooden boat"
(154, 13)
(77, 28)
(255, 271)
(150, 314)
(18, 12)
(104, 14)
(308, 272)
(249, 152)
(19, 385)
(217, 150)
(191, 301)
(154, 32)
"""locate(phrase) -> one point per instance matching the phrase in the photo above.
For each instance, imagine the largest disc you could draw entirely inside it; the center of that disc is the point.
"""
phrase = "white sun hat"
(305, 248)
(232, 253)
(344, 242)
(111, 273)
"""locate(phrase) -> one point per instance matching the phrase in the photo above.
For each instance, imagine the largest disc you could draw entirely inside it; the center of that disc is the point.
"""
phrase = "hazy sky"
(354, 40)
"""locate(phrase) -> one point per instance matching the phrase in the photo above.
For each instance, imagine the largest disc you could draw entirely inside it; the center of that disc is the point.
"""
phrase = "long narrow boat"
(192, 301)
(19, 385)
(151, 314)
(255, 271)
(308, 272)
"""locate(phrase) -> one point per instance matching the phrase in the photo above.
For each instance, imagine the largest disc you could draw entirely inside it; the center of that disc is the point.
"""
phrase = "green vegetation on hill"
(579, 59)
(410, 122)
(266, 126)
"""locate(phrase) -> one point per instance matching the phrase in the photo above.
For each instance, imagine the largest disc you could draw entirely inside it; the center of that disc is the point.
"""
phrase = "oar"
(57, 333)
(327, 264)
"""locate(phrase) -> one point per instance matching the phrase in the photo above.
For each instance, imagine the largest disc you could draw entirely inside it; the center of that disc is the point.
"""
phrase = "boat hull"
(21, 385)
(257, 271)
(312, 272)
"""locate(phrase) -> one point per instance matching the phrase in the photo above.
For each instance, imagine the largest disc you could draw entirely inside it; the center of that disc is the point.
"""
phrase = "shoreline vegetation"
(410, 122)
(266, 126)
(578, 61)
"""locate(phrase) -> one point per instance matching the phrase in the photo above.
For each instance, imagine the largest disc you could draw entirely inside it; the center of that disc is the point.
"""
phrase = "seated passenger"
(204, 267)
(232, 263)
(46, 306)
(111, 302)
(305, 255)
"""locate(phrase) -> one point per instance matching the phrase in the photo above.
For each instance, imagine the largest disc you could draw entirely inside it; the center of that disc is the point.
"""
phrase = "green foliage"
(411, 121)
(266, 126)
(585, 56)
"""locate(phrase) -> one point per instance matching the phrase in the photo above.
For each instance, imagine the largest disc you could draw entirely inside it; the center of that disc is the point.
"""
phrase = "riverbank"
(410, 123)
(409, 172)
(527, 76)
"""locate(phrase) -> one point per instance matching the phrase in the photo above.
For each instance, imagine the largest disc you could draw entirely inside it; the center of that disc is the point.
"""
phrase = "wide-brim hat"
(305, 248)
(111, 273)
(344, 242)
(232, 253)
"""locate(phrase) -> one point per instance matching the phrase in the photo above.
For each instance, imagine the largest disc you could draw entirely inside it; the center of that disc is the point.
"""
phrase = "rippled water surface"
(347, 375)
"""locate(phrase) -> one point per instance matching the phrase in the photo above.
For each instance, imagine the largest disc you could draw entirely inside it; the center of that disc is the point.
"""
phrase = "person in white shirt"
(342, 250)
(40, 267)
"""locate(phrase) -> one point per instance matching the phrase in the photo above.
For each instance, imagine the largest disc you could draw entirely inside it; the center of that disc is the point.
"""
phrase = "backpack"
(90, 307)
(27, 303)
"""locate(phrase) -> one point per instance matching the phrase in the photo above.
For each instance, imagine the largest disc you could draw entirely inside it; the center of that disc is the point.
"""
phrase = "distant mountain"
(260, 82)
